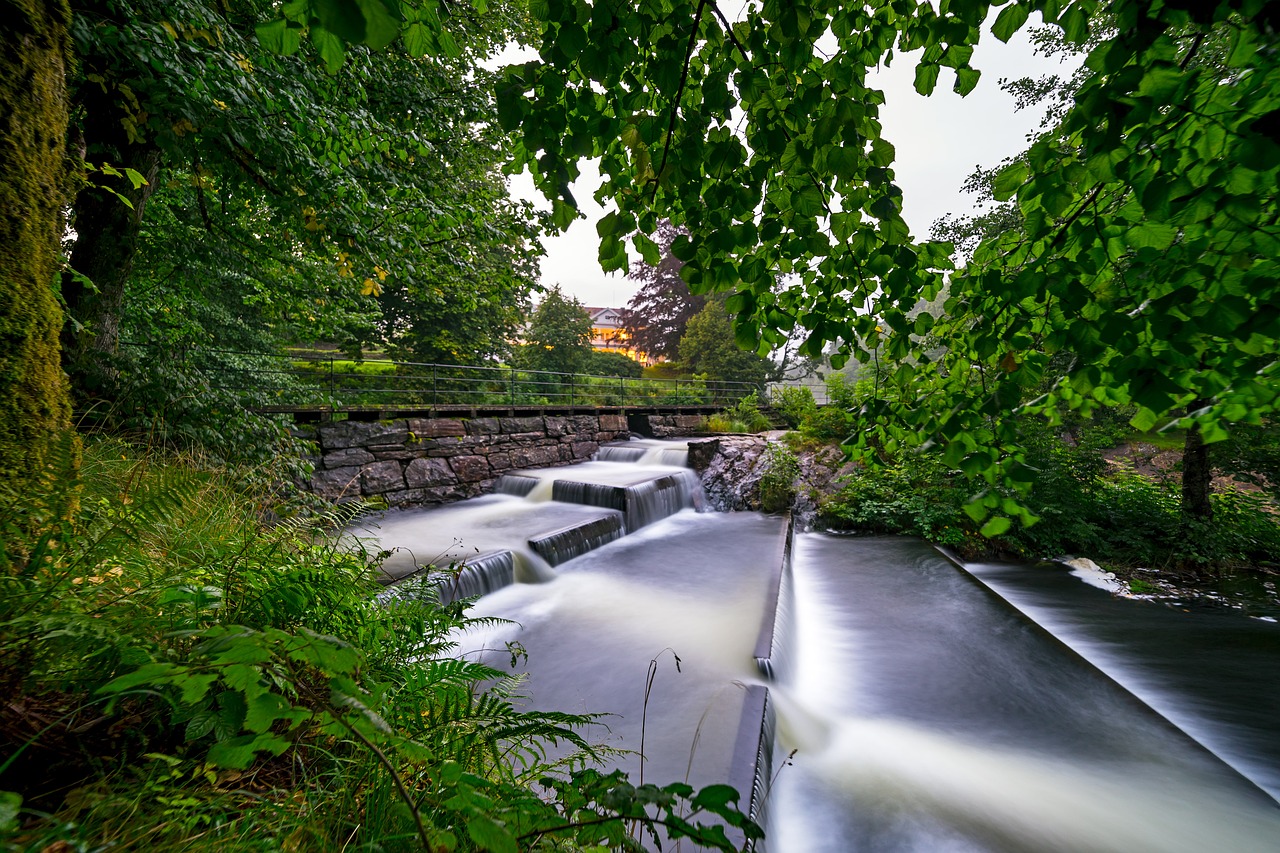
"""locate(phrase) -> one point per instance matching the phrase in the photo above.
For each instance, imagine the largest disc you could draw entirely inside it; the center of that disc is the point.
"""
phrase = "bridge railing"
(305, 380)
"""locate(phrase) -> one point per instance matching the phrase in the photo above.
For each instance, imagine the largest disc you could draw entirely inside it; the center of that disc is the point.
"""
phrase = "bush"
(613, 364)
(744, 416)
(794, 402)
(781, 468)
(828, 424)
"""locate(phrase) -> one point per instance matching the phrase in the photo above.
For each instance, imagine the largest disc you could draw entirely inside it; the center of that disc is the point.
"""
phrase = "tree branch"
(675, 105)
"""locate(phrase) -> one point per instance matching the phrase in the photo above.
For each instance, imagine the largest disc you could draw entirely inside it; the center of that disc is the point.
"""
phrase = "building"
(607, 334)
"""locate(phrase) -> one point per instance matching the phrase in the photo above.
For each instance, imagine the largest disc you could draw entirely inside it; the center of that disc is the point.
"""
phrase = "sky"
(939, 140)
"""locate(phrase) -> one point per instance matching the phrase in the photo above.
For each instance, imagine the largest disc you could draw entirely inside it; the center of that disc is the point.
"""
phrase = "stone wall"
(425, 461)
(671, 426)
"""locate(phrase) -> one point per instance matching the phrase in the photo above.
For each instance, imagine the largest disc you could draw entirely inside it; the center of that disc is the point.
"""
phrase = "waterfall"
(569, 542)
(519, 485)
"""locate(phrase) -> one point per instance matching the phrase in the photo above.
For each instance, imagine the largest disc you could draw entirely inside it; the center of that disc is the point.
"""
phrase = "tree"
(386, 173)
(35, 178)
(559, 335)
(707, 348)
(656, 316)
(1150, 243)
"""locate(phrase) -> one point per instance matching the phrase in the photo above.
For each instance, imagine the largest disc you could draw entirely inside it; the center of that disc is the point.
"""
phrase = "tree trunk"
(34, 402)
(1197, 473)
(107, 233)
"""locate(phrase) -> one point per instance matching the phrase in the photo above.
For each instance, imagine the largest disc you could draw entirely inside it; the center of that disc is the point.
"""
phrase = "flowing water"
(908, 707)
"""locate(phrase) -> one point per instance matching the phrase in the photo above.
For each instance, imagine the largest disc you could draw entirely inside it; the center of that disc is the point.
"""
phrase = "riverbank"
(1118, 507)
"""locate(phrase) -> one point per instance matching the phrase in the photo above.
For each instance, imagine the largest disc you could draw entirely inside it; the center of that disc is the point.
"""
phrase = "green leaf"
(10, 806)
(966, 80)
(563, 213)
(1144, 420)
(280, 36)
(996, 526)
(330, 48)
(342, 18)
(1009, 179)
(419, 40)
(715, 797)
(926, 77)
(1009, 21)
(380, 25)
(491, 835)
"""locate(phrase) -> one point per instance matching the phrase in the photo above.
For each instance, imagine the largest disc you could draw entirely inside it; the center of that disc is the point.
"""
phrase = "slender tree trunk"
(1197, 473)
(107, 233)
(34, 170)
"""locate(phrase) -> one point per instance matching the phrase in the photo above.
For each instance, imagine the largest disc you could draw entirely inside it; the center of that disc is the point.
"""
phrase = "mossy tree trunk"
(34, 401)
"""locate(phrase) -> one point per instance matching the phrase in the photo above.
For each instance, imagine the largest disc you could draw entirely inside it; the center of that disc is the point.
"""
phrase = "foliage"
(613, 364)
(364, 207)
(708, 349)
(829, 424)
(657, 315)
(781, 468)
(197, 681)
(794, 402)
(1083, 506)
(1148, 246)
(742, 416)
(559, 335)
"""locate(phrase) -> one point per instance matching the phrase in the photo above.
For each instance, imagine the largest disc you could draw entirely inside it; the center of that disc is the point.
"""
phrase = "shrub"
(828, 424)
(781, 468)
(794, 402)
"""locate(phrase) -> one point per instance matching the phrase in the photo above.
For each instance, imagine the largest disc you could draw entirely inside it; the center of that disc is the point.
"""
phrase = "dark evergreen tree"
(656, 317)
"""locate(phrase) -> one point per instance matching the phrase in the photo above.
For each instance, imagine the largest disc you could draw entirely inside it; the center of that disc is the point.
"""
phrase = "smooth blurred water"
(924, 711)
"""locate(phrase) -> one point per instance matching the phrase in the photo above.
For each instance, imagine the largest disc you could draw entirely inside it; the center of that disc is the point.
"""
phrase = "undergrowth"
(1084, 506)
(179, 675)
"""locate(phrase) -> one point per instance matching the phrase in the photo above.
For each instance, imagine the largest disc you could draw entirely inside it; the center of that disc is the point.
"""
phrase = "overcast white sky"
(939, 140)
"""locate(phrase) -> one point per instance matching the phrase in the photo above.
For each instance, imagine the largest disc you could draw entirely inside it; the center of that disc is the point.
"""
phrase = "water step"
(577, 539)
(641, 503)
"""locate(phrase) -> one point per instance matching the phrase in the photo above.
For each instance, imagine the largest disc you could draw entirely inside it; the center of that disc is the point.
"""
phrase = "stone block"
(500, 462)
(533, 457)
(584, 449)
(405, 497)
(558, 426)
(691, 422)
(519, 425)
(358, 434)
(443, 494)
(483, 426)
(471, 469)
(379, 477)
(613, 423)
(429, 473)
(346, 457)
(586, 424)
(336, 482)
(437, 427)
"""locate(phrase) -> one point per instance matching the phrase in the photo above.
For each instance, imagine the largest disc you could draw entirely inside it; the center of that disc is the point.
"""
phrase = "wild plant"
(180, 675)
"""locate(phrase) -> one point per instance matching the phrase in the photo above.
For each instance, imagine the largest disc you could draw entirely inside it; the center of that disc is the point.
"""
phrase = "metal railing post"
(513, 386)
(435, 385)
(332, 387)
(571, 375)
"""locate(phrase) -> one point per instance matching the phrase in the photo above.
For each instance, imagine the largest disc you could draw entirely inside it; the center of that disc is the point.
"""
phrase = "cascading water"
(925, 714)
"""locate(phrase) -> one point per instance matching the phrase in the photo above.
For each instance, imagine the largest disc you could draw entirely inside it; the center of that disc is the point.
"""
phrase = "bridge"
(318, 388)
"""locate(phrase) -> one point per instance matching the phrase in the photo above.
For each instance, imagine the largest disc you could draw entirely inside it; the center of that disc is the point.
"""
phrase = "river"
(913, 704)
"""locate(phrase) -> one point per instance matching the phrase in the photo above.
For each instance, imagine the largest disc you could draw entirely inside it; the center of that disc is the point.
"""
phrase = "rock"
(424, 473)
(380, 477)
(731, 477)
(471, 469)
(347, 457)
